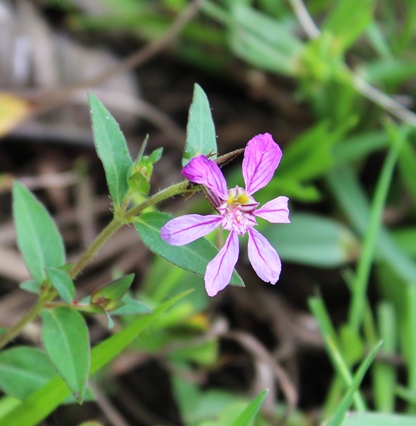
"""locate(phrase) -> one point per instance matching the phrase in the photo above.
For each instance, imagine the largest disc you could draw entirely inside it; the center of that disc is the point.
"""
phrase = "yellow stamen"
(242, 199)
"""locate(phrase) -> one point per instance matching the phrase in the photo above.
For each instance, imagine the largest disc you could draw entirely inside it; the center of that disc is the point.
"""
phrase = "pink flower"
(237, 213)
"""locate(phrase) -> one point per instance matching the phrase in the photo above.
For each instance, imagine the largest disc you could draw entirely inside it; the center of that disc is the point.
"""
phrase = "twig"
(257, 350)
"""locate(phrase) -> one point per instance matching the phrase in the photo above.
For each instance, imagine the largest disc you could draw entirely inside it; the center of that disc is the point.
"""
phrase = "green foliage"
(353, 202)
(112, 149)
(200, 132)
(314, 240)
(214, 407)
(193, 257)
(384, 375)
(142, 169)
(63, 283)
(262, 41)
(339, 138)
(131, 306)
(66, 342)
(109, 296)
(305, 159)
(353, 387)
(378, 419)
(38, 238)
(41, 403)
(31, 286)
(346, 12)
(23, 370)
(247, 416)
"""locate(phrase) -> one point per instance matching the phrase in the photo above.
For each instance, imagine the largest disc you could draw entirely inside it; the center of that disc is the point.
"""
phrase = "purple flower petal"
(263, 257)
(185, 229)
(275, 211)
(220, 269)
(206, 172)
(261, 158)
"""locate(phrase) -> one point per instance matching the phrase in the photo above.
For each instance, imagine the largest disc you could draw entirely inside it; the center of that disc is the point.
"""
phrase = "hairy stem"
(19, 326)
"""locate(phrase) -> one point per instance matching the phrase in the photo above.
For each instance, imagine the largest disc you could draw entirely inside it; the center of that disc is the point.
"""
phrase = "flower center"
(237, 211)
(237, 196)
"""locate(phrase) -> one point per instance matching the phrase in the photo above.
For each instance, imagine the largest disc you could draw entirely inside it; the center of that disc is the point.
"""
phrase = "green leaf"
(405, 238)
(347, 190)
(62, 283)
(40, 404)
(196, 406)
(131, 307)
(359, 12)
(384, 375)
(352, 389)
(65, 338)
(304, 159)
(378, 419)
(38, 238)
(263, 41)
(111, 148)
(156, 155)
(31, 286)
(200, 131)
(248, 415)
(113, 292)
(193, 257)
(313, 240)
(407, 164)
(205, 353)
(23, 370)
(7, 404)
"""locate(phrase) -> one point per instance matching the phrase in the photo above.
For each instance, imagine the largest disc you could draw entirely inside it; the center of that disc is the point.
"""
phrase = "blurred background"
(333, 82)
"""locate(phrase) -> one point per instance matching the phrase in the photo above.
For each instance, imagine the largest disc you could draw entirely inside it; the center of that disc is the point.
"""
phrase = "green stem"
(170, 192)
(24, 321)
(91, 251)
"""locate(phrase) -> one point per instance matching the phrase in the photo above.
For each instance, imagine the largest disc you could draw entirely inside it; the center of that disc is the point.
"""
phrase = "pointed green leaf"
(200, 131)
(38, 238)
(193, 257)
(113, 291)
(111, 148)
(156, 155)
(31, 286)
(346, 402)
(62, 283)
(248, 415)
(66, 341)
(131, 307)
(24, 370)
